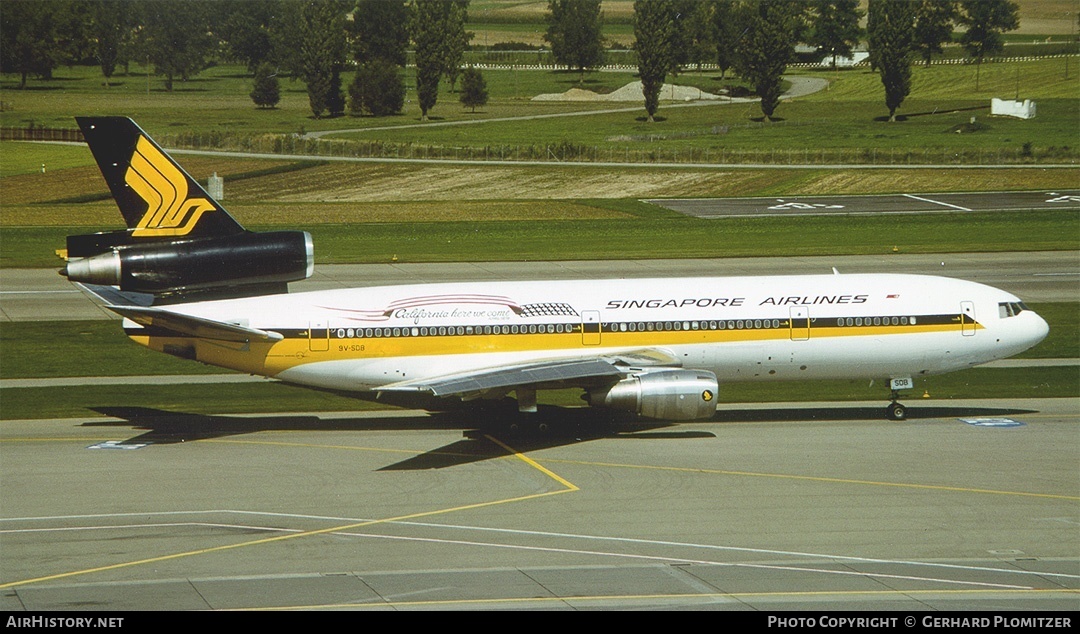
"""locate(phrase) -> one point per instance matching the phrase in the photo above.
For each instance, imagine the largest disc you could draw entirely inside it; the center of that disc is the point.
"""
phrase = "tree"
(700, 34)
(267, 91)
(111, 25)
(836, 27)
(653, 35)
(377, 89)
(473, 89)
(933, 27)
(427, 21)
(986, 20)
(177, 38)
(28, 40)
(335, 96)
(286, 37)
(726, 27)
(379, 30)
(322, 53)
(246, 28)
(682, 36)
(455, 39)
(768, 46)
(74, 19)
(575, 34)
(892, 42)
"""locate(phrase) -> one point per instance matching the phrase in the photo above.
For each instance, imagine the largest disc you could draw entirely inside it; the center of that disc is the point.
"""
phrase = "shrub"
(377, 89)
(473, 89)
(267, 92)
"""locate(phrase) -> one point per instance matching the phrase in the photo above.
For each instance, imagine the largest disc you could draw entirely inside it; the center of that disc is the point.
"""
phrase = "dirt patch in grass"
(371, 192)
(930, 180)
(76, 182)
(373, 183)
(53, 184)
(299, 215)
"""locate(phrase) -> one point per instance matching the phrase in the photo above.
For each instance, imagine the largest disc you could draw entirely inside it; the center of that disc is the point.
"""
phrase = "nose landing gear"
(895, 410)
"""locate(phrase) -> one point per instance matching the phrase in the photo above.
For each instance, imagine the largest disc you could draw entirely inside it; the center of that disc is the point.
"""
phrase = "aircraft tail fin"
(157, 198)
(180, 244)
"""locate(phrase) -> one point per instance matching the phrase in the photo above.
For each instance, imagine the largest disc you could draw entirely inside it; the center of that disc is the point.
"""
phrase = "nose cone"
(1037, 330)
(1022, 332)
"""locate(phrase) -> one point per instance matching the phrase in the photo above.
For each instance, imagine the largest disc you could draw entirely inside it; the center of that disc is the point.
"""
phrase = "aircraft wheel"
(896, 411)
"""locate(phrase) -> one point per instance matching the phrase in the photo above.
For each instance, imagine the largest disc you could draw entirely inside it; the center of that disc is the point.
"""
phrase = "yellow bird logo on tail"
(164, 188)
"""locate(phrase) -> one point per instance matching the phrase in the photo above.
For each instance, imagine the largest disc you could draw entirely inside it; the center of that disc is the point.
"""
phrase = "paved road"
(877, 204)
(795, 506)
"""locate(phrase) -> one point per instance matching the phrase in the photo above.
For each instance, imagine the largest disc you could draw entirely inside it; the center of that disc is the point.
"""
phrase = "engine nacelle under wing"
(663, 394)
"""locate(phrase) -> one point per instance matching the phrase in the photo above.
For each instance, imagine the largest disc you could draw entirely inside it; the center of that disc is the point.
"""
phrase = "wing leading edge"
(543, 374)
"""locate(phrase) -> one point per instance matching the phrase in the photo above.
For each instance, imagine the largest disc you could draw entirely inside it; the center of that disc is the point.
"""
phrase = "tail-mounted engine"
(179, 242)
(245, 263)
(663, 394)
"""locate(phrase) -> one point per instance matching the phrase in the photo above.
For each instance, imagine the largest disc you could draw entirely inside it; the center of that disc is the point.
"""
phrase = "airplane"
(189, 281)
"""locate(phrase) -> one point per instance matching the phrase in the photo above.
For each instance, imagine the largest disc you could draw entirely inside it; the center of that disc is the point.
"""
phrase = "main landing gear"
(895, 410)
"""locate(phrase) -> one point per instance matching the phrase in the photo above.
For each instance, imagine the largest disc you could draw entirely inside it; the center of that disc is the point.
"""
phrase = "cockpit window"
(1011, 309)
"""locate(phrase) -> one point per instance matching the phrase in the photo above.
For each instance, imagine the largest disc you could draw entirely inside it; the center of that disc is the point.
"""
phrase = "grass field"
(636, 238)
(835, 125)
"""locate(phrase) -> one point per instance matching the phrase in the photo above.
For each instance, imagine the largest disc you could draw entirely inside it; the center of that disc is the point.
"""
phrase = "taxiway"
(800, 506)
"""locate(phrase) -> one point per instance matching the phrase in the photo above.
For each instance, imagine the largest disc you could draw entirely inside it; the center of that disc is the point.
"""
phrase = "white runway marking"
(545, 534)
(936, 202)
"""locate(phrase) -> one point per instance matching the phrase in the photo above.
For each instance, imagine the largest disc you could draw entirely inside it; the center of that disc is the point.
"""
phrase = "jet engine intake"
(662, 394)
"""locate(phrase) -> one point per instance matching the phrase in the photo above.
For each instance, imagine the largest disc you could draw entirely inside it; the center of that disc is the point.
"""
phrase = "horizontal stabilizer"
(113, 296)
(194, 326)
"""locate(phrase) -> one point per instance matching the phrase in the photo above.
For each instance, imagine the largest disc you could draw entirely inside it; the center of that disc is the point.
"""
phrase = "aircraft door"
(590, 327)
(318, 336)
(967, 318)
(800, 323)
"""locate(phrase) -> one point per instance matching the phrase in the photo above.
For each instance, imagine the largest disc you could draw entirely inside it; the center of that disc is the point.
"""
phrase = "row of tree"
(310, 40)
(757, 38)
(315, 40)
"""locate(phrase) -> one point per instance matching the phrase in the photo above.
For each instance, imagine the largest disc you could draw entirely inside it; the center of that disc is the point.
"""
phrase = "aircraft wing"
(194, 326)
(552, 373)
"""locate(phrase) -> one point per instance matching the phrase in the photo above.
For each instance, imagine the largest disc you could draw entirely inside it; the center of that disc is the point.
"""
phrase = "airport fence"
(634, 151)
(631, 150)
(35, 133)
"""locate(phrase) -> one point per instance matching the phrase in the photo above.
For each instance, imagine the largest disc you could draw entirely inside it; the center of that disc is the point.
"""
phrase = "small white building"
(856, 58)
(1010, 108)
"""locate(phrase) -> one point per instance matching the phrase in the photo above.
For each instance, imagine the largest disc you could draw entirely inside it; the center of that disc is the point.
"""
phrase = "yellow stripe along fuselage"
(272, 359)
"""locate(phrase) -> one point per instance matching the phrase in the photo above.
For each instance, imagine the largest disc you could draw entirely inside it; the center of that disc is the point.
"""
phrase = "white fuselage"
(739, 328)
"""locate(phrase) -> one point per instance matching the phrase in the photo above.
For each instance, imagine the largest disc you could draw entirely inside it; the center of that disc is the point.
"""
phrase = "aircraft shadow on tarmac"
(498, 433)
(549, 427)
